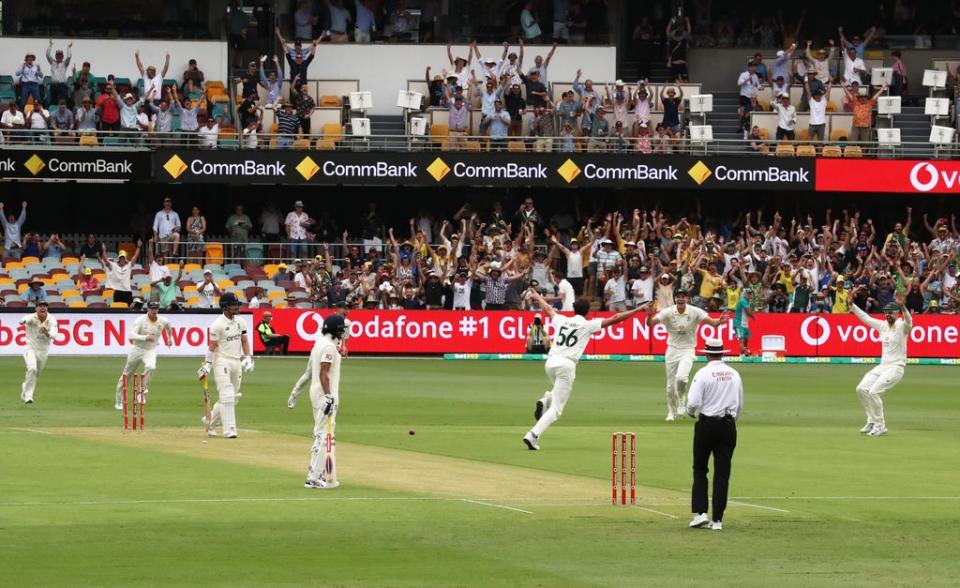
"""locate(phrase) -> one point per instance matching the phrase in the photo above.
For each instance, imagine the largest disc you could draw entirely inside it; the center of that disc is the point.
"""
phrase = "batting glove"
(247, 364)
(328, 404)
(204, 370)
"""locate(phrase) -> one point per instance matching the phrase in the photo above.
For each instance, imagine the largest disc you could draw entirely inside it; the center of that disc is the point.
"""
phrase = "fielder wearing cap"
(147, 331)
(681, 321)
(325, 398)
(228, 354)
(894, 331)
(716, 395)
(40, 329)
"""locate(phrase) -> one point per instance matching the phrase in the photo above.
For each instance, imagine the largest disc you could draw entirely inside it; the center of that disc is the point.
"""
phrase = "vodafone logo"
(812, 339)
(924, 177)
(309, 325)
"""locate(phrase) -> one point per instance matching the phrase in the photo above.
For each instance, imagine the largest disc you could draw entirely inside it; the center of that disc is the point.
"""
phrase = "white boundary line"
(747, 504)
(24, 430)
(503, 506)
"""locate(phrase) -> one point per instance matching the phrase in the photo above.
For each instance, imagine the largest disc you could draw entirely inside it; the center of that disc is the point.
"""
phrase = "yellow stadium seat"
(145, 290)
(271, 269)
(831, 107)
(69, 293)
(215, 84)
(100, 277)
(280, 304)
(189, 289)
(472, 146)
(118, 305)
(77, 304)
(325, 145)
(22, 288)
(839, 134)
(276, 294)
(6, 281)
(332, 131)
(852, 152)
(831, 151)
(302, 144)
(330, 101)
(785, 150)
(214, 252)
(803, 135)
(806, 151)
(68, 260)
(440, 131)
(516, 147)
(192, 267)
(764, 134)
(107, 293)
(29, 259)
(193, 301)
(225, 283)
(14, 265)
(88, 140)
(173, 266)
(217, 98)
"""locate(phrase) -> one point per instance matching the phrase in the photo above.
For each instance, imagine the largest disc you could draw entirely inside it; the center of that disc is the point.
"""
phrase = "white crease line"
(758, 506)
(666, 514)
(849, 497)
(37, 431)
(503, 506)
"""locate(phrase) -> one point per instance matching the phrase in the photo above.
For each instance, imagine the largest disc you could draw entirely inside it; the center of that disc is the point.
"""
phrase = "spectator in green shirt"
(168, 291)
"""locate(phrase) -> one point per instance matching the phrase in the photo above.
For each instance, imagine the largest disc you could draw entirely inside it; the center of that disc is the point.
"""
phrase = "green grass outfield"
(462, 502)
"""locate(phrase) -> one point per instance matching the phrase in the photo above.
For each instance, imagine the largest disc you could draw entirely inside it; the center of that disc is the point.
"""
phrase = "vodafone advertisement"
(888, 175)
(106, 334)
(435, 332)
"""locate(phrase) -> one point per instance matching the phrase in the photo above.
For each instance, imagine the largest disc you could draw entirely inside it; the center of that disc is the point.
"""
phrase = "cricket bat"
(206, 404)
(330, 465)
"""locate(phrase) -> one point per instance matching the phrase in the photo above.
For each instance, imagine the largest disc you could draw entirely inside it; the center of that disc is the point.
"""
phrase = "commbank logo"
(307, 168)
(569, 170)
(700, 173)
(438, 169)
(175, 166)
(35, 164)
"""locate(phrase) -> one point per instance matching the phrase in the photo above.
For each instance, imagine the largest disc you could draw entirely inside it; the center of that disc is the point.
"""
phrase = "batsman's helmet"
(228, 299)
(334, 325)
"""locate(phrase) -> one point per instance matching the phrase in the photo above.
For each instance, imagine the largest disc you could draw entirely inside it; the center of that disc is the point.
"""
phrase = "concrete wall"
(109, 56)
(717, 69)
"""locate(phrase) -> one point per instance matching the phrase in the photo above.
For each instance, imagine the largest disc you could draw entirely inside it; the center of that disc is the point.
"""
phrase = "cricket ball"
(412, 432)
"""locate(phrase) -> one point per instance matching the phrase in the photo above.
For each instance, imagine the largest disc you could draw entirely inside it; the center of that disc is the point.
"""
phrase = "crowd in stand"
(492, 259)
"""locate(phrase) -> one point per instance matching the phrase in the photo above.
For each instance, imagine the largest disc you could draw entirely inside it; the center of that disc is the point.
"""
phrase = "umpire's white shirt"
(716, 391)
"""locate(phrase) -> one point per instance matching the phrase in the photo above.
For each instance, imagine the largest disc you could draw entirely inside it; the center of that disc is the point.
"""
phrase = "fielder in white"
(570, 338)
(228, 355)
(894, 333)
(41, 329)
(325, 398)
(146, 333)
(307, 376)
(681, 321)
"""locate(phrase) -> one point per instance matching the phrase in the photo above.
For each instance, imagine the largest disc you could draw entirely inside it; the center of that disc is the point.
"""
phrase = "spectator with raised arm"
(38, 124)
(749, 84)
(672, 104)
(298, 67)
(152, 83)
(109, 111)
(274, 82)
(58, 72)
(856, 43)
(861, 130)
(12, 229)
(853, 66)
(821, 61)
(541, 65)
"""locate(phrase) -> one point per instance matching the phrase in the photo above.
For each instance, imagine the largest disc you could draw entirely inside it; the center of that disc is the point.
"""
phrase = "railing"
(232, 141)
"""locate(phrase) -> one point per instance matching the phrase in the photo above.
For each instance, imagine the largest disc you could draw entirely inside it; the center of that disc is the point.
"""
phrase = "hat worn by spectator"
(780, 53)
(122, 254)
(87, 271)
(298, 204)
(35, 281)
(128, 96)
(207, 272)
(619, 83)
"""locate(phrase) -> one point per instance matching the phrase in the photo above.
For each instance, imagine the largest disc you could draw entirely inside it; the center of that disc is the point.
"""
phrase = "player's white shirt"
(228, 333)
(893, 339)
(144, 327)
(571, 335)
(327, 351)
(681, 328)
(567, 295)
(118, 278)
(37, 341)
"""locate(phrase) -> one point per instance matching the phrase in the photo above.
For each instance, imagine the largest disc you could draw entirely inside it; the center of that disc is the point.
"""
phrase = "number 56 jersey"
(571, 335)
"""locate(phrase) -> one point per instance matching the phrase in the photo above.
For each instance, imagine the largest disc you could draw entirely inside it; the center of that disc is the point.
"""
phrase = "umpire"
(716, 393)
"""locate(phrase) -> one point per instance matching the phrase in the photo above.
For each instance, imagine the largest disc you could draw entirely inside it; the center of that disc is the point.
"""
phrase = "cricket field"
(463, 502)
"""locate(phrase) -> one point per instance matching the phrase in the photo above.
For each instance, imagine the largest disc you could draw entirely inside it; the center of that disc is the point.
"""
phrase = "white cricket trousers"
(323, 453)
(872, 387)
(137, 359)
(679, 362)
(34, 360)
(228, 374)
(562, 372)
(302, 382)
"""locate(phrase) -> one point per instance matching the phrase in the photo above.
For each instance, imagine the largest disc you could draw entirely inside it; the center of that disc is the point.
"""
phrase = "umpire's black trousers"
(716, 435)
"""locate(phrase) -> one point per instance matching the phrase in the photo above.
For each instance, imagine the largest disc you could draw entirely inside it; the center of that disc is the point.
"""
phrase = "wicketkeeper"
(145, 334)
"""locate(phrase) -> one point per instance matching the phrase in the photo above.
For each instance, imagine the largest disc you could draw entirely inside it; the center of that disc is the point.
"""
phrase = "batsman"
(325, 397)
(228, 356)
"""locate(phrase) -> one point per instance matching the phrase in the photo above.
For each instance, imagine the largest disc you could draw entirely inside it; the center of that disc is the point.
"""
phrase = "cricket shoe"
(699, 520)
(715, 526)
(682, 410)
(531, 440)
(314, 484)
(877, 431)
(118, 405)
(542, 405)
(211, 432)
(670, 417)
(292, 401)
(867, 428)
(229, 434)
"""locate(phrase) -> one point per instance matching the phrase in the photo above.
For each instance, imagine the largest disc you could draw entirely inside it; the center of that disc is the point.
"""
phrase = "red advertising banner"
(888, 175)
(435, 332)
